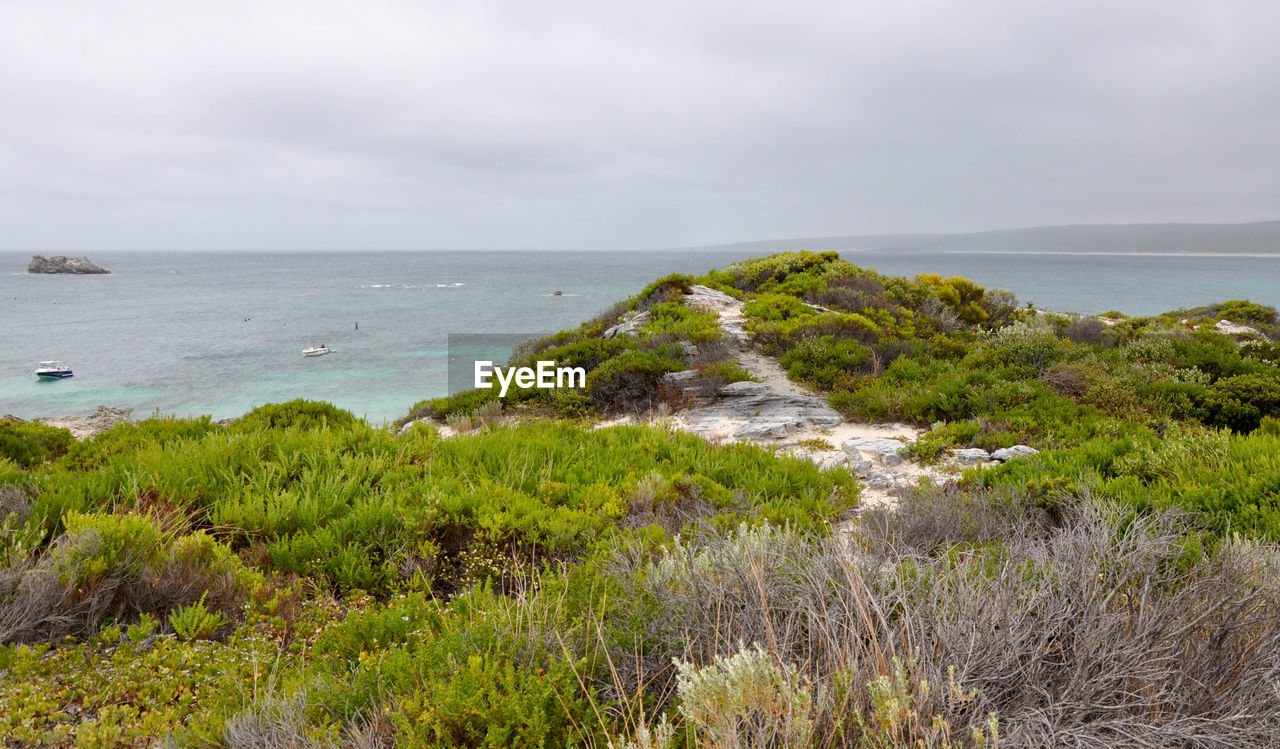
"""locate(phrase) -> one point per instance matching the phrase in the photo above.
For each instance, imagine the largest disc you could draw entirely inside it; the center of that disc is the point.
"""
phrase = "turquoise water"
(220, 333)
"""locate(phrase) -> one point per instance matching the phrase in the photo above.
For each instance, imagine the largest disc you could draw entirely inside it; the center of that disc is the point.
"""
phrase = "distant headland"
(63, 264)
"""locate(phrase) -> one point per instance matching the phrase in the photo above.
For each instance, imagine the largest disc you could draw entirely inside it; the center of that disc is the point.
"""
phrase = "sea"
(188, 333)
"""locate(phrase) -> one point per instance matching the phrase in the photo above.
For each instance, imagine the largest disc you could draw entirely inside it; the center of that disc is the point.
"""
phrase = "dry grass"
(1083, 627)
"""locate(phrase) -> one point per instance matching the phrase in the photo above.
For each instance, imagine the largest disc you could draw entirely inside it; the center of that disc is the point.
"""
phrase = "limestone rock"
(759, 412)
(84, 427)
(627, 327)
(1017, 451)
(681, 379)
(63, 264)
(860, 466)
(969, 456)
(1236, 329)
(835, 461)
(882, 450)
(887, 480)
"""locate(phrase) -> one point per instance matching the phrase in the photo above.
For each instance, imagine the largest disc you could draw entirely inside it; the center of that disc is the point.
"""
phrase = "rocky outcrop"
(970, 456)
(63, 264)
(880, 451)
(1226, 327)
(732, 319)
(755, 411)
(630, 326)
(84, 427)
(1008, 453)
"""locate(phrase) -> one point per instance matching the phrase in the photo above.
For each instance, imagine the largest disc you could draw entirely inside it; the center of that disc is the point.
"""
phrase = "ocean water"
(221, 333)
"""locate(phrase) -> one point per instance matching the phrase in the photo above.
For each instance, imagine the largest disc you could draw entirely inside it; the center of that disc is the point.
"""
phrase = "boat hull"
(58, 375)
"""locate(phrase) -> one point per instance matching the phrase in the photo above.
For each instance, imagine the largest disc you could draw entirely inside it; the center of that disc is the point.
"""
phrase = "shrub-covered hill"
(1106, 399)
(299, 578)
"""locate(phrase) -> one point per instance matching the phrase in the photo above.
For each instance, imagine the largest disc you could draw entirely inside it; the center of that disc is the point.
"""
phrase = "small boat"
(320, 350)
(52, 370)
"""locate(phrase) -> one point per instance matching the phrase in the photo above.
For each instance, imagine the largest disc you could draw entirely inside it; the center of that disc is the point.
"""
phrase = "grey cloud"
(513, 124)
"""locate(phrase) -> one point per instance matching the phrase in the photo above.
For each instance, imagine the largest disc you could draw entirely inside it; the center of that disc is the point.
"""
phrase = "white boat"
(320, 350)
(52, 370)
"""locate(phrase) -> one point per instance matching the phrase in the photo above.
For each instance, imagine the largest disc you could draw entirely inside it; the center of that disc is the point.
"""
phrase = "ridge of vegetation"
(300, 578)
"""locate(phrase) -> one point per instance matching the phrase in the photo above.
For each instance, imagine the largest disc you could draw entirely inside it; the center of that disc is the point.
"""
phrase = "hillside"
(1258, 237)
(796, 503)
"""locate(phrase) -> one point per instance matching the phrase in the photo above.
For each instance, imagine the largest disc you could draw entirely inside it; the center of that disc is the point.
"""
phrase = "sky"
(430, 124)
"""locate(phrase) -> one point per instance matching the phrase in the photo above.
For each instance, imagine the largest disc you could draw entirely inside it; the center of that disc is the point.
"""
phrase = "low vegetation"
(299, 578)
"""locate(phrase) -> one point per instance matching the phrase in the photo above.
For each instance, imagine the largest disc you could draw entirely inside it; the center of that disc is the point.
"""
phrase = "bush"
(746, 700)
(29, 444)
(1240, 402)
(195, 622)
(296, 414)
(824, 361)
(960, 294)
(630, 381)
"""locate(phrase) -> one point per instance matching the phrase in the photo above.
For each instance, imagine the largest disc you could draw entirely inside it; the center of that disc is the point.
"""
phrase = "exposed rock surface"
(628, 326)
(756, 411)
(1236, 329)
(84, 427)
(882, 451)
(732, 319)
(969, 456)
(1017, 451)
(63, 264)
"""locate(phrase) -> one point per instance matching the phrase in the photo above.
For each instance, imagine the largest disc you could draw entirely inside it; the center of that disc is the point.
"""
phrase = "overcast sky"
(422, 124)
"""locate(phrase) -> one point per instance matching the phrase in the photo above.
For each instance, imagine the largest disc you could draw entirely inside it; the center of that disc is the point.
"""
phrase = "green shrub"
(960, 294)
(666, 289)
(129, 436)
(195, 622)
(629, 381)
(682, 323)
(1241, 401)
(464, 402)
(747, 699)
(30, 444)
(725, 372)
(824, 361)
(298, 414)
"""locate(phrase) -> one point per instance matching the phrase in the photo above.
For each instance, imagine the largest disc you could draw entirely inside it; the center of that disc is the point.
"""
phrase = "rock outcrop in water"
(63, 264)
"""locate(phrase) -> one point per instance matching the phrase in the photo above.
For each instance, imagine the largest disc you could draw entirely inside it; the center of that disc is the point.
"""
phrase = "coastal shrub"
(129, 436)
(93, 575)
(746, 699)
(144, 693)
(1087, 330)
(463, 402)
(822, 362)
(765, 274)
(587, 353)
(1263, 352)
(776, 307)
(1245, 313)
(30, 444)
(195, 622)
(974, 616)
(852, 295)
(677, 322)
(298, 414)
(630, 381)
(669, 288)
(722, 373)
(1241, 401)
(960, 294)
